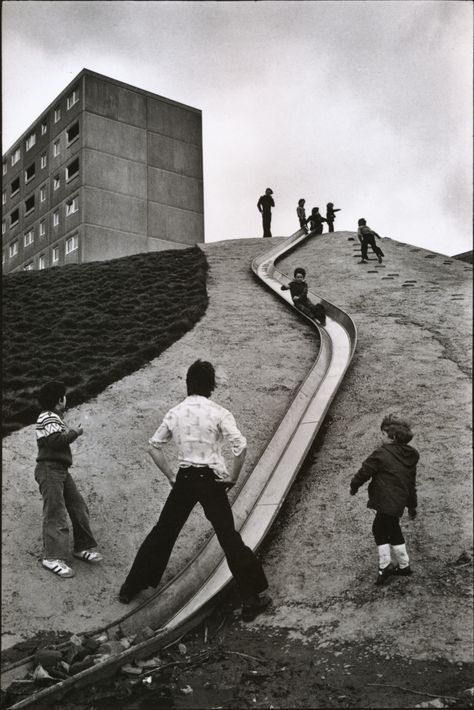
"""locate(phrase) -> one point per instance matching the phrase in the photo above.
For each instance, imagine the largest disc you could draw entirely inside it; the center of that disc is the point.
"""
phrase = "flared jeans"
(60, 498)
(196, 485)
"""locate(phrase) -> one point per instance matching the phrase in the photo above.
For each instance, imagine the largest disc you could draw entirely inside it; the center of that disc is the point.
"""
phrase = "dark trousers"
(313, 310)
(386, 530)
(60, 497)
(196, 485)
(266, 221)
(330, 225)
(370, 241)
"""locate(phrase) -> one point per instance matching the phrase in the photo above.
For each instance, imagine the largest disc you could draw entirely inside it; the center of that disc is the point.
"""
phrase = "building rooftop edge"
(97, 75)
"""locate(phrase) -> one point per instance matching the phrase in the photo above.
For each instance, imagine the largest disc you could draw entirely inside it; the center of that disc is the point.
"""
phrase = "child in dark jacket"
(331, 215)
(392, 470)
(316, 221)
(299, 294)
(366, 237)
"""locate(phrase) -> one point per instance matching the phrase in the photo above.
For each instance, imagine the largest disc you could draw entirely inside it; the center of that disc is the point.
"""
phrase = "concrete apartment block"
(107, 170)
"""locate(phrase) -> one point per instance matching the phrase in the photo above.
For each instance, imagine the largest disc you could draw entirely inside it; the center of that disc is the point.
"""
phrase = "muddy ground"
(331, 639)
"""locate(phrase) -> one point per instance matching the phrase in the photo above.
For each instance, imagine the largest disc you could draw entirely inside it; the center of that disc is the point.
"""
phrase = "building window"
(15, 186)
(42, 228)
(55, 218)
(44, 127)
(4, 167)
(72, 244)
(43, 161)
(13, 249)
(72, 206)
(72, 133)
(55, 254)
(42, 262)
(4, 226)
(29, 236)
(15, 156)
(4, 197)
(57, 114)
(28, 267)
(72, 169)
(30, 172)
(14, 217)
(73, 98)
(56, 182)
(30, 141)
(56, 148)
(43, 193)
(29, 204)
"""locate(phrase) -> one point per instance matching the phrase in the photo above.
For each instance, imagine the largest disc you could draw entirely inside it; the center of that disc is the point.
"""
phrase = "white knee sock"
(401, 555)
(384, 556)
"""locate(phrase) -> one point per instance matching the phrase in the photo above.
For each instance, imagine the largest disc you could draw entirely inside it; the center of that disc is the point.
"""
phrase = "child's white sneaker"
(88, 556)
(58, 567)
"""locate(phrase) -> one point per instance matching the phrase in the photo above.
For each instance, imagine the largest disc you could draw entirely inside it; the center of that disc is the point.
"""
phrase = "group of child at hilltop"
(365, 234)
(199, 427)
(315, 219)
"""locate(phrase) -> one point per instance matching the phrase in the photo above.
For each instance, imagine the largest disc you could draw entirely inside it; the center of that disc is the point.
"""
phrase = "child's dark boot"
(383, 575)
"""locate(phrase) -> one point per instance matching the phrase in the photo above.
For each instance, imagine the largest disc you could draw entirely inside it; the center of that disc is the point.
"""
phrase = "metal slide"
(187, 598)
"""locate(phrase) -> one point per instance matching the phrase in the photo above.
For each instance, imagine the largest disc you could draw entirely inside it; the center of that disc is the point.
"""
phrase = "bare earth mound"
(414, 318)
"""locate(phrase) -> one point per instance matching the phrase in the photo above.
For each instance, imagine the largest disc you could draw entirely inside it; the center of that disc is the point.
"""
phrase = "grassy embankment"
(92, 324)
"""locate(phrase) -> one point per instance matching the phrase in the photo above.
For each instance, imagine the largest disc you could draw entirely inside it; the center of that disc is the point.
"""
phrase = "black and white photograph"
(237, 354)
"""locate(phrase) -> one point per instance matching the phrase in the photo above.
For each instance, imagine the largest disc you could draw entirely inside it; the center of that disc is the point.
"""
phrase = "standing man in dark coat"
(264, 205)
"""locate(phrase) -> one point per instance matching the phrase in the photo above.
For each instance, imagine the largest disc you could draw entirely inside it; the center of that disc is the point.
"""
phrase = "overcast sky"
(367, 104)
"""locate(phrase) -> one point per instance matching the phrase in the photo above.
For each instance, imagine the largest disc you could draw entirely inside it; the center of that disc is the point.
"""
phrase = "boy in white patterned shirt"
(199, 426)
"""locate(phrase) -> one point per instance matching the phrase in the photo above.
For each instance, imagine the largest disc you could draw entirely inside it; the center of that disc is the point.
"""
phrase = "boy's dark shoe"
(254, 606)
(403, 571)
(380, 259)
(363, 261)
(126, 595)
(383, 575)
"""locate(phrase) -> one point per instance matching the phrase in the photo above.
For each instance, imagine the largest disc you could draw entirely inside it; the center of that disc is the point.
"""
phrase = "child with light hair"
(391, 469)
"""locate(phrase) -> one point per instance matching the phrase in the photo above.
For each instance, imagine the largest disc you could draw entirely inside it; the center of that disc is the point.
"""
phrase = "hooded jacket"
(392, 468)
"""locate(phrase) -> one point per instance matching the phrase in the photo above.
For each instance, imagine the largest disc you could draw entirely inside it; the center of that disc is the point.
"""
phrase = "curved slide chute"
(188, 597)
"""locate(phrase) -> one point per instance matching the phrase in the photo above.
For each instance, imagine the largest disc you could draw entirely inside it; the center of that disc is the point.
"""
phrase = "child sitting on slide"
(299, 293)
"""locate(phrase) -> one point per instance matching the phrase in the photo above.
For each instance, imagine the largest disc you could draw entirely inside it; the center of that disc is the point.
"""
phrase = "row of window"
(30, 141)
(71, 134)
(72, 206)
(72, 171)
(72, 244)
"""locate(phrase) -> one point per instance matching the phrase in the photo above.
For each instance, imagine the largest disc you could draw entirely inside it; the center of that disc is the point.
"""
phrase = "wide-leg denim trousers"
(60, 497)
(193, 485)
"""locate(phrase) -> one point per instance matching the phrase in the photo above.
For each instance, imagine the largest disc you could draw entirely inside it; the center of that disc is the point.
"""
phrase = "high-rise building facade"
(106, 170)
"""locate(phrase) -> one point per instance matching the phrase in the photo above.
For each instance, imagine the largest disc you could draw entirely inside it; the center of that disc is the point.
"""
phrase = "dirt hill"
(414, 319)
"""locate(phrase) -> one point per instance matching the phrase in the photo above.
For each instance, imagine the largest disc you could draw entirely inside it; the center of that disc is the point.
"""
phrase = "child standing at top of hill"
(331, 215)
(299, 294)
(301, 212)
(59, 492)
(316, 221)
(366, 237)
(392, 468)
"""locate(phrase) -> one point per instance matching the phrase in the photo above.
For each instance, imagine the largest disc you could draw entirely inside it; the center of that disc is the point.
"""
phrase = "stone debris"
(131, 670)
(144, 634)
(40, 674)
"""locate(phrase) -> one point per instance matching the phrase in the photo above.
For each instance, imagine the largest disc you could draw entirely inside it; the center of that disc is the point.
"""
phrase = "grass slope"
(92, 324)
